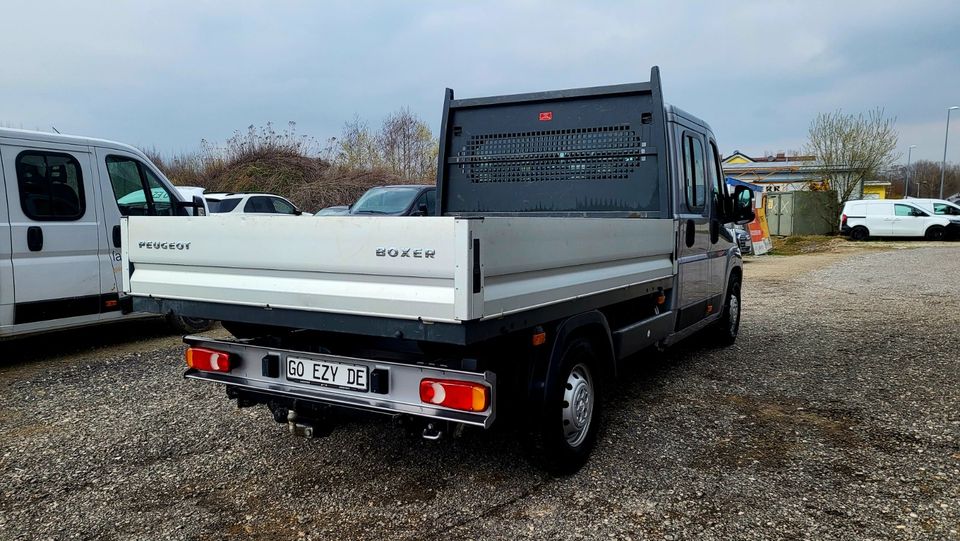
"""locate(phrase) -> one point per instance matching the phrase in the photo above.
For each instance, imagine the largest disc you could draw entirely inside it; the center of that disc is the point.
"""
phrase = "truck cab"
(60, 248)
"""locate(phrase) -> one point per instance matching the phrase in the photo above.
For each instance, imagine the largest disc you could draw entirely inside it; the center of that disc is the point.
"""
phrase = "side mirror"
(743, 212)
(422, 209)
(297, 212)
(196, 203)
(199, 209)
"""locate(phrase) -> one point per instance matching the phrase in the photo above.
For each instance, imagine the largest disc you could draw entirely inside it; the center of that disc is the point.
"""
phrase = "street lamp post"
(906, 185)
(943, 164)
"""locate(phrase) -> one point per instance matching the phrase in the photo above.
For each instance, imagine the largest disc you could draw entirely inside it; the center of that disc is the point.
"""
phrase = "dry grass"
(804, 244)
(263, 160)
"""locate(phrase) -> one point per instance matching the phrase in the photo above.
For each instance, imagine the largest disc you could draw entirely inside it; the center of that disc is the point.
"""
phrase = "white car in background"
(249, 203)
(937, 207)
(900, 218)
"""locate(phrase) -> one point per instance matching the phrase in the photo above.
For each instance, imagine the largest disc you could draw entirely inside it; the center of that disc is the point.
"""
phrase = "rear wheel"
(859, 233)
(936, 232)
(188, 325)
(567, 430)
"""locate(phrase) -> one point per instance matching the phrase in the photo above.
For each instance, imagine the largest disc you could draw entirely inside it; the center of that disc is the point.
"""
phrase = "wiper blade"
(365, 211)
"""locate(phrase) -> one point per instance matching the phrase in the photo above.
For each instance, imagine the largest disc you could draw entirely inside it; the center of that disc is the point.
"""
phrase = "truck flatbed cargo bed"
(391, 274)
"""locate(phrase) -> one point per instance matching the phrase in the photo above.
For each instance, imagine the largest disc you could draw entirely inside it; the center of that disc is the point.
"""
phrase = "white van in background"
(895, 218)
(937, 207)
(60, 221)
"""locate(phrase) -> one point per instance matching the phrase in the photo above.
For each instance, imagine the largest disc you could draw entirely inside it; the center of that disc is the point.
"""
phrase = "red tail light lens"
(459, 395)
(843, 219)
(208, 360)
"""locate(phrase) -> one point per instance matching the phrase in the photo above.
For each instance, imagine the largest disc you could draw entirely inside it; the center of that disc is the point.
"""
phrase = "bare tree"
(407, 145)
(357, 147)
(404, 146)
(851, 149)
(925, 179)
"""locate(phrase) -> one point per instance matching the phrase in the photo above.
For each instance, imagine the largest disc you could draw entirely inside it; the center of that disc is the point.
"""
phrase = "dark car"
(744, 241)
(398, 200)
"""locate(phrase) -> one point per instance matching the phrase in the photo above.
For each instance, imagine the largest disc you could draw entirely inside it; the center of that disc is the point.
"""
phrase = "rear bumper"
(399, 394)
(845, 229)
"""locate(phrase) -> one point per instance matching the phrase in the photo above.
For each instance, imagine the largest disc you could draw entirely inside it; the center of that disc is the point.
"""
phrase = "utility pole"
(943, 164)
(906, 186)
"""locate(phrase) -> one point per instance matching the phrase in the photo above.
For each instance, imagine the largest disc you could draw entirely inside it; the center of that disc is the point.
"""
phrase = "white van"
(60, 216)
(897, 218)
(937, 207)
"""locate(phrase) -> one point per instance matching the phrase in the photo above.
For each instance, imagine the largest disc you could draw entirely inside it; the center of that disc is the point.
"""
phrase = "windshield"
(385, 201)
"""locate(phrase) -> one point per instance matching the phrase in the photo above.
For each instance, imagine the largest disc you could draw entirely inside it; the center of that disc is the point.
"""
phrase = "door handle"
(691, 233)
(116, 236)
(34, 238)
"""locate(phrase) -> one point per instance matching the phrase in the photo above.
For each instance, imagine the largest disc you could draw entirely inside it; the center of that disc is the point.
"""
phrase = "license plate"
(341, 375)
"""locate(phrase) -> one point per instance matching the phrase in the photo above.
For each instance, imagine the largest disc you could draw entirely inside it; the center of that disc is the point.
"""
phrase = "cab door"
(693, 211)
(130, 187)
(53, 234)
(721, 240)
(909, 221)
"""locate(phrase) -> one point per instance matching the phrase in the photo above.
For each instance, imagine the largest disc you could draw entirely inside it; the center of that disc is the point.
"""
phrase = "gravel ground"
(835, 416)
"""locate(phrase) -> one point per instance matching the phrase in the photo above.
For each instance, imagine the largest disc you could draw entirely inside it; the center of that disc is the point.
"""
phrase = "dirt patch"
(772, 433)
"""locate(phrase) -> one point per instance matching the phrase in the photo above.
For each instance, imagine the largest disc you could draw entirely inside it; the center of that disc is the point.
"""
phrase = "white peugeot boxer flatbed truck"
(574, 229)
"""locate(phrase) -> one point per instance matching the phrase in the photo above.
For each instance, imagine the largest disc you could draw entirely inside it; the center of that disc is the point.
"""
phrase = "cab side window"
(51, 186)
(718, 184)
(137, 189)
(695, 182)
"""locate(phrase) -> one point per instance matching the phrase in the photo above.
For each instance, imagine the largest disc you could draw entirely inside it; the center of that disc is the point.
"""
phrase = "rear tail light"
(843, 219)
(208, 360)
(458, 395)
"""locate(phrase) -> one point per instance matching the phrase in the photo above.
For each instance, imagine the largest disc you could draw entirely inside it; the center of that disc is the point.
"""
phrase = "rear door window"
(695, 183)
(259, 204)
(51, 186)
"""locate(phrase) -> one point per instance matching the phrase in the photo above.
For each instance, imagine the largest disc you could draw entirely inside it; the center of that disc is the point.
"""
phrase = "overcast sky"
(168, 74)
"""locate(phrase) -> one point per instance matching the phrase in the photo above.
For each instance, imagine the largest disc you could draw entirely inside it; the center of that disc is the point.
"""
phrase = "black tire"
(936, 232)
(859, 233)
(727, 328)
(188, 325)
(565, 434)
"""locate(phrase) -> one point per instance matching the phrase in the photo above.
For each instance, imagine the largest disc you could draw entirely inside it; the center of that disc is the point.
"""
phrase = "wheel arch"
(592, 326)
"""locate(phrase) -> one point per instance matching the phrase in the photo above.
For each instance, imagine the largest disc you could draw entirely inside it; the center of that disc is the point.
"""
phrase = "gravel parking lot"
(835, 416)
